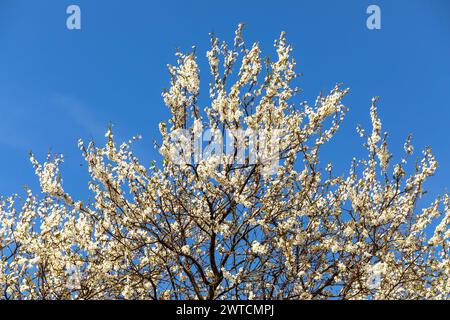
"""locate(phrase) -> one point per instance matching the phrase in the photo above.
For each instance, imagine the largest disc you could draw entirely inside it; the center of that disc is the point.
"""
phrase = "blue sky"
(58, 85)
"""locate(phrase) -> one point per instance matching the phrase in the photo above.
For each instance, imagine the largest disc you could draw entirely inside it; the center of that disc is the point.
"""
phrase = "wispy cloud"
(78, 113)
(32, 122)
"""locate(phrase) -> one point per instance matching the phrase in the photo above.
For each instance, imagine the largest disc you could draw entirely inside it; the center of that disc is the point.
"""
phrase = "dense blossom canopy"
(219, 228)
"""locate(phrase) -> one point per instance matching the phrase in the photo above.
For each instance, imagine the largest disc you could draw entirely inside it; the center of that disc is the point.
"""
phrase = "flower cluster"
(223, 227)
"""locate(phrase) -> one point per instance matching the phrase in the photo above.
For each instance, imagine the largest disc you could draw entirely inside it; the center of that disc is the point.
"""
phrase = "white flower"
(258, 248)
(186, 249)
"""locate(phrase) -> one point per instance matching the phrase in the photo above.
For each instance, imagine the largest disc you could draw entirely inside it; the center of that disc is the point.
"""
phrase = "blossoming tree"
(226, 227)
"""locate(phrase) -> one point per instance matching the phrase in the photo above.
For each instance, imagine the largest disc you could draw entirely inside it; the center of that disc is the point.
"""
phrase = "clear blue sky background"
(58, 85)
